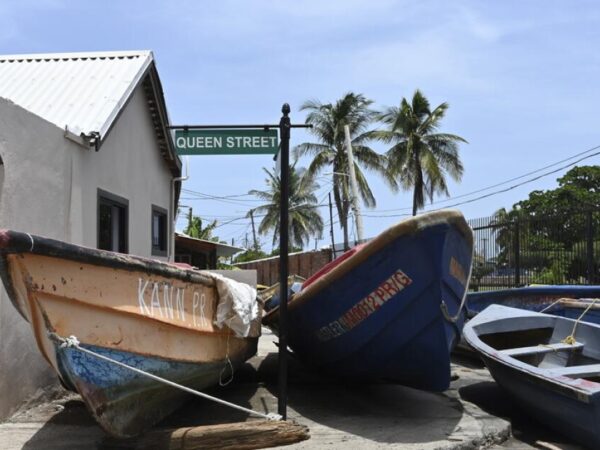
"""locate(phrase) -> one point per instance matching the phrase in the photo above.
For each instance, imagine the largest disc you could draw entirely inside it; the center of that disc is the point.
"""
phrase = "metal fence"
(523, 250)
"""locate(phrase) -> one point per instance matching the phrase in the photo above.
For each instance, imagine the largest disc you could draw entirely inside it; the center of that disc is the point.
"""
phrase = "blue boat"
(390, 311)
(562, 300)
(550, 365)
(150, 315)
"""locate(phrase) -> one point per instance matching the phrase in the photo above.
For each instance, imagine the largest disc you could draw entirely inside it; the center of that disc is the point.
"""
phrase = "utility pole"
(331, 226)
(253, 230)
(352, 174)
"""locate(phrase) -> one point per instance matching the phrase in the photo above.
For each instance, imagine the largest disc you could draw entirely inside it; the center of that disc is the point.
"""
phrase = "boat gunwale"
(16, 242)
(405, 227)
(544, 375)
(550, 290)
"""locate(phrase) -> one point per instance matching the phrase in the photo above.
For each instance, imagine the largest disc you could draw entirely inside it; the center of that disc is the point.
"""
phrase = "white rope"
(227, 363)
(73, 342)
(552, 304)
(443, 306)
(32, 243)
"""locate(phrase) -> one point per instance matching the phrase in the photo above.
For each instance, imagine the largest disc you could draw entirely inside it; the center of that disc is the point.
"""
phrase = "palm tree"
(328, 121)
(420, 157)
(194, 228)
(304, 219)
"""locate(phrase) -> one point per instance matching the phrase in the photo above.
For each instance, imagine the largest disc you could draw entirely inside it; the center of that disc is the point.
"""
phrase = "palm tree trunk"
(415, 200)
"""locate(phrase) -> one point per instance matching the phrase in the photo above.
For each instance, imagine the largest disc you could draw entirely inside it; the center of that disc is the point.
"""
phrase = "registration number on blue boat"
(365, 307)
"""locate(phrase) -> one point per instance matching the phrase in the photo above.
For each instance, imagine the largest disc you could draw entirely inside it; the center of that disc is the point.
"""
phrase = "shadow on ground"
(491, 398)
(381, 413)
(384, 413)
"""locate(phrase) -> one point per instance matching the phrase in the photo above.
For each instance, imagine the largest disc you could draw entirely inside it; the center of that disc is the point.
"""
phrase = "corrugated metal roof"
(82, 91)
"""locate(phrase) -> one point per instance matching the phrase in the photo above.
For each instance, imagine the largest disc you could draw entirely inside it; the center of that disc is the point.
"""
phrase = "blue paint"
(536, 298)
(122, 401)
(407, 340)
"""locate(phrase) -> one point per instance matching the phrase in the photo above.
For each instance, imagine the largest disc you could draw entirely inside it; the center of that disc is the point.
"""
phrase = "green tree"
(194, 228)
(304, 218)
(553, 227)
(420, 157)
(328, 121)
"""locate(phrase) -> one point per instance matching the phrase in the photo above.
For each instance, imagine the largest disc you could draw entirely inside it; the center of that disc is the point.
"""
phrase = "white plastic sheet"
(238, 306)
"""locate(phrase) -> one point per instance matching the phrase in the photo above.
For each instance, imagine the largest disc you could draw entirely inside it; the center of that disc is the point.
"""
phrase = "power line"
(500, 191)
(509, 180)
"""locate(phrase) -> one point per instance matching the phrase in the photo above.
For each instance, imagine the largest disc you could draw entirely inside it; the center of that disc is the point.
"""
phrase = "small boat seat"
(578, 371)
(541, 349)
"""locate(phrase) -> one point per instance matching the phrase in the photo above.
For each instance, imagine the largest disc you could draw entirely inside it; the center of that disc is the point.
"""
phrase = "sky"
(521, 79)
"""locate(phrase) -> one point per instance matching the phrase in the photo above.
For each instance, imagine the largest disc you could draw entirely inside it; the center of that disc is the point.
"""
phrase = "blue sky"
(521, 78)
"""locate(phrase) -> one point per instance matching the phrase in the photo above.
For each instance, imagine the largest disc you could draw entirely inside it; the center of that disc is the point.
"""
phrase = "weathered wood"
(239, 435)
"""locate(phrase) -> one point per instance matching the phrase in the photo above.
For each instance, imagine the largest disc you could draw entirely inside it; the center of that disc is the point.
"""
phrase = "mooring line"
(73, 342)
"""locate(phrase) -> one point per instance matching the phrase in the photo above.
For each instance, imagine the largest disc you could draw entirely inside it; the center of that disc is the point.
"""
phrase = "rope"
(552, 304)
(73, 342)
(570, 339)
(228, 362)
(447, 316)
(32, 243)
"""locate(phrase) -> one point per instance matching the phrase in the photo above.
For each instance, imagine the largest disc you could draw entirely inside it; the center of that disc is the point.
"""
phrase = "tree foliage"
(329, 152)
(194, 228)
(304, 218)
(420, 157)
(553, 227)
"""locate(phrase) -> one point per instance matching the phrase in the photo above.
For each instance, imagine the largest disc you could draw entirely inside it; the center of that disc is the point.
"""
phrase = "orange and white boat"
(183, 325)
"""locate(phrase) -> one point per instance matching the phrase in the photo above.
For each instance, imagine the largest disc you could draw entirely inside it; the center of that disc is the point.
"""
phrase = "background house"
(86, 157)
(201, 253)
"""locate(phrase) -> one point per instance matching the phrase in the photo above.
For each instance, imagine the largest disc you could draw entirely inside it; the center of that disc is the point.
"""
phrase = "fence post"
(517, 251)
(590, 248)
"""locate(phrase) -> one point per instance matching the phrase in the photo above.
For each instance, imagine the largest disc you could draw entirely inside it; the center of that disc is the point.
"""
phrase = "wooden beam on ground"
(239, 435)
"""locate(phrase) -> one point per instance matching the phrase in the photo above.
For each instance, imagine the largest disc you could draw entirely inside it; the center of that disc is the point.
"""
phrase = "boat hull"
(381, 318)
(537, 298)
(555, 379)
(147, 314)
(550, 405)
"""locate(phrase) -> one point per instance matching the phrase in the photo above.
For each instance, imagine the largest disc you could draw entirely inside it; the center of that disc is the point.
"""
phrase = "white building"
(85, 157)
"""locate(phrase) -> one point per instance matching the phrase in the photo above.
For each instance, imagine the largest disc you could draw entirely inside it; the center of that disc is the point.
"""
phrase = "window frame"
(155, 209)
(108, 198)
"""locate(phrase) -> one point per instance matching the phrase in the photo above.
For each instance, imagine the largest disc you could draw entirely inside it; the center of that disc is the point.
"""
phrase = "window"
(159, 231)
(112, 222)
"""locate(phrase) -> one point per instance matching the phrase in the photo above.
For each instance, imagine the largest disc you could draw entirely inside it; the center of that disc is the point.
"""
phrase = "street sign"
(226, 142)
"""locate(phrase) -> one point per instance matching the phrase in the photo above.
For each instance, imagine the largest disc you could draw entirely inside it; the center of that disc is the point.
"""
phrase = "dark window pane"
(159, 232)
(112, 224)
(105, 228)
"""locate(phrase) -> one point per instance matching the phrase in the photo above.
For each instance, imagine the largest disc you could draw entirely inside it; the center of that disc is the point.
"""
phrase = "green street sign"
(226, 142)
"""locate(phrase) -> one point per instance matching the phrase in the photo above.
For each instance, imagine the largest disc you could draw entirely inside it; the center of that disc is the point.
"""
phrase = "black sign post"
(212, 140)
(284, 134)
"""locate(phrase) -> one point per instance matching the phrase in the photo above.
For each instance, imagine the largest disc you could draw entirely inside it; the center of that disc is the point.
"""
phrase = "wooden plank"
(540, 349)
(239, 435)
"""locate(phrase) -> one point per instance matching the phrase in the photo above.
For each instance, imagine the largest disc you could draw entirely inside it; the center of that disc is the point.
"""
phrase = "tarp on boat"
(238, 306)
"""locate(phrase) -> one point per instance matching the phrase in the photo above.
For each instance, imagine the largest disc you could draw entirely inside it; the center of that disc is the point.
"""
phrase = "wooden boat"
(561, 300)
(145, 313)
(556, 378)
(391, 310)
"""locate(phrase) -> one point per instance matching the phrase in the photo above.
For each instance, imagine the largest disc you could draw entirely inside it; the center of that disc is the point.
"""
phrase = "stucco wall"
(50, 188)
(35, 155)
(129, 165)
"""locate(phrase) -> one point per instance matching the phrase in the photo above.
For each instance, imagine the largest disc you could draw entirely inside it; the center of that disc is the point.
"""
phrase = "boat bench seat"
(541, 349)
(578, 371)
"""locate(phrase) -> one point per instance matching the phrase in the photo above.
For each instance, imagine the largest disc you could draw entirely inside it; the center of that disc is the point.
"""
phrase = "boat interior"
(544, 347)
